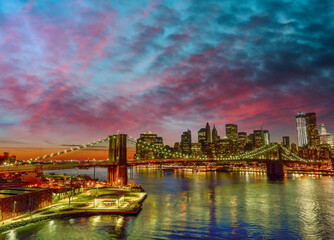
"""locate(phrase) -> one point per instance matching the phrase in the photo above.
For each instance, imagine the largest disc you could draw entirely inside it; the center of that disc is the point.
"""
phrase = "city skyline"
(153, 119)
(72, 72)
(260, 137)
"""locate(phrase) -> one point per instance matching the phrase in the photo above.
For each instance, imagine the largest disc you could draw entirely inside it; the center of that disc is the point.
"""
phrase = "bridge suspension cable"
(83, 146)
(290, 154)
(131, 140)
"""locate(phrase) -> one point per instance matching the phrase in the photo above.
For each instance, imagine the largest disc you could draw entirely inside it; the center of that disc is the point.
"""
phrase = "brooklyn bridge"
(274, 157)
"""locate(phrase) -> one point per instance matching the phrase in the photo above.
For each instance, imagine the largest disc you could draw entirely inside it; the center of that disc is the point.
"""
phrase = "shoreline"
(75, 212)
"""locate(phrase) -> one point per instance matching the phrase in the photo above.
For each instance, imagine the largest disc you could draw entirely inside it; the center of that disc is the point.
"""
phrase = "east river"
(207, 206)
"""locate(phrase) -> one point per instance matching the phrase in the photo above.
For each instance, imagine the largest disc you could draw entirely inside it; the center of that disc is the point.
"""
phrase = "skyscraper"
(302, 138)
(242, 141)
(196, 149)
(286, 141)
(186, 142)
(261, 137)
(324, 136)
(208, 133)
(177, 147)
(142, 152)
(232, 132)
(224, 147)
(258, 138)
(202, 135)
(215, 136)
(266, 137)
(312, 129)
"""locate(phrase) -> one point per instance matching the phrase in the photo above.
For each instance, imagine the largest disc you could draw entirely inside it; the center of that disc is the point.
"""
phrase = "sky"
(74, 71)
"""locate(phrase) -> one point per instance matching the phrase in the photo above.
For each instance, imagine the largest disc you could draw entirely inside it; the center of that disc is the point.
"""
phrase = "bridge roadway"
(70, 165)
(52, 166)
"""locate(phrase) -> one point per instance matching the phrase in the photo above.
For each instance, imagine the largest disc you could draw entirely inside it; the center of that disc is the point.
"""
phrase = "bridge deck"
(70, 165)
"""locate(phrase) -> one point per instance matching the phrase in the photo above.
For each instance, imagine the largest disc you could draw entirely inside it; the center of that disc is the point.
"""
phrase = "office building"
(325, 137)
(145, 151)
(242, 141)
(202, 135)
(258, 138)
(266, 137)
(177, 147)
(196, 149)
(232, 132)
(312, 130)
(286, 141)
(224, 147)
(210, 150)
(302, 137)
(215, 137)
(208, 133)
(17, 201)
(186, 142)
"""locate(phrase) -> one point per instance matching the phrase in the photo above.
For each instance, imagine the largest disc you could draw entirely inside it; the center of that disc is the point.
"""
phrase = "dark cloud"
(134, 68)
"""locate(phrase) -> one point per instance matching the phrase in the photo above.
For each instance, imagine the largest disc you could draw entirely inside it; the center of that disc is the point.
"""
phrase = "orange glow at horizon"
(28, 153)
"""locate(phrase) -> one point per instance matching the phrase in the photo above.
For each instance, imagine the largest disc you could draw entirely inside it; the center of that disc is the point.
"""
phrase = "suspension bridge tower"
(275, 167)
(118, 154)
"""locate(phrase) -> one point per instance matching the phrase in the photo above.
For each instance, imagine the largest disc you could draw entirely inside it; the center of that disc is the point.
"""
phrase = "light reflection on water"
(207, 205)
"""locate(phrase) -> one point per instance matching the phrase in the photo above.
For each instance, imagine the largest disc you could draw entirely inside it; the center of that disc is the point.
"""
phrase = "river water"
(207, 206)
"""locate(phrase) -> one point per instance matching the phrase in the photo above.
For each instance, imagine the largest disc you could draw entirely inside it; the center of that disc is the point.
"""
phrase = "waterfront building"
(109, 199)
(286, 141)
(312, 129)
(302, 137)
(17, 201)
(186, 142)
(207, 133)
(215, 137)
(196, 149)
(5, 158)
(146, 152)
(232, 132)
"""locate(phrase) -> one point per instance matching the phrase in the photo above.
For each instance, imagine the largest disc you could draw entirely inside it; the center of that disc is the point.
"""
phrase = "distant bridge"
(117, 162)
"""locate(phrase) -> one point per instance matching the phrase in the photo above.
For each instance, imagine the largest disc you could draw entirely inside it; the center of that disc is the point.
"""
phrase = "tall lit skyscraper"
(302, 138)
(215, 137)
(312, 129)
(208, 133)
(186, 142)
(232, 132)
(266, 137)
